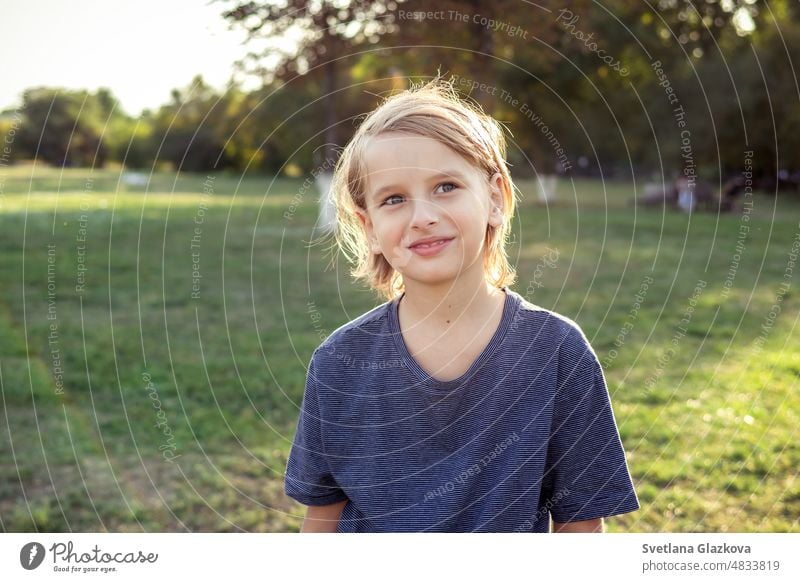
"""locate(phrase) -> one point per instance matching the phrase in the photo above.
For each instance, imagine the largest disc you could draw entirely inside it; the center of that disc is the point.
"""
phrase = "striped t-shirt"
(525, 434)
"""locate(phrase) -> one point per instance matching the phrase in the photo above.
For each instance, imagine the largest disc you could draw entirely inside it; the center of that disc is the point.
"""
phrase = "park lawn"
(176, 413)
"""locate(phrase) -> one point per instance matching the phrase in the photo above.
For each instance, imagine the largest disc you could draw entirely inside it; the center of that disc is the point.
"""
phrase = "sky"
(140, 49)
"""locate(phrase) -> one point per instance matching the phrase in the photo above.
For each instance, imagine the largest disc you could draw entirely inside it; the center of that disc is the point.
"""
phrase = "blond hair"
(433, 110)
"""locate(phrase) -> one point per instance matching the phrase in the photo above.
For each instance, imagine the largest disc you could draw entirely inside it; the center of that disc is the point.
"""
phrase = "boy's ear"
(496, 200)
(366, 223)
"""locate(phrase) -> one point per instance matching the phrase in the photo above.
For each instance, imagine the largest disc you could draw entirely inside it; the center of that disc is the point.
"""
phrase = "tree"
(63, 127)
(325, 32)
(188, 131)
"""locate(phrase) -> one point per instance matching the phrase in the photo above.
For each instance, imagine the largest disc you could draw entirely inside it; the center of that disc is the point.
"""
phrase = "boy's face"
(418, 189)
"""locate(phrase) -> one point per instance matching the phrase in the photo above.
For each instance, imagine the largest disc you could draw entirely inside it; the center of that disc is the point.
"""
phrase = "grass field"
(131, 405)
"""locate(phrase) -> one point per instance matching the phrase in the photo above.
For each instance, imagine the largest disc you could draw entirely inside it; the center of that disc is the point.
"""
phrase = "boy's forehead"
(394, 156)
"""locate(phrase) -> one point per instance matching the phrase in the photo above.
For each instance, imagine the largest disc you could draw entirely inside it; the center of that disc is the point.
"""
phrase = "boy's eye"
(445, 184)
(392, 197)
(448, 186)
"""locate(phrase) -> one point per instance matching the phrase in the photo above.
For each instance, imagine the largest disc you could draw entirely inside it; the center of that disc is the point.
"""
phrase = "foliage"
(551, 73)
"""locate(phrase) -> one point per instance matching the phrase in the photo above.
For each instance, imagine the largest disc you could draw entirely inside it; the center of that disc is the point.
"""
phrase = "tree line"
(668, 86)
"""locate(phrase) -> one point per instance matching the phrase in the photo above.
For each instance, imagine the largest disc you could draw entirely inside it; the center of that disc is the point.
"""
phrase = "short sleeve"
(308, 476)
(586, 475)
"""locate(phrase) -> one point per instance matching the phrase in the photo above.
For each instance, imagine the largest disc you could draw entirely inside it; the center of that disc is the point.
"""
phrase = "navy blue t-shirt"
(527, 432)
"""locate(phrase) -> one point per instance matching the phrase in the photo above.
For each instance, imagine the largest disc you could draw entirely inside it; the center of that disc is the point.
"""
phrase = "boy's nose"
(425, 214)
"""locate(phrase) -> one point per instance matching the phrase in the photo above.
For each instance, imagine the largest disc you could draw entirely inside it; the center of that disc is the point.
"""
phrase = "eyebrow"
(445, 174)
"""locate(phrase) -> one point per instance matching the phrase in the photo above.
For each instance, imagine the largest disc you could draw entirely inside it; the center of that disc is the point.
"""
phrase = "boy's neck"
(443, 308)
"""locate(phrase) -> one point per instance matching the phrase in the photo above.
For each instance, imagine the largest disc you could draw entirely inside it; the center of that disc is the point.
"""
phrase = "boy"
(456, 405)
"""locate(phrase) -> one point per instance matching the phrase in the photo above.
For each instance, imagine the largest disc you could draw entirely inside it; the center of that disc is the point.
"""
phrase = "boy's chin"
(429, 278)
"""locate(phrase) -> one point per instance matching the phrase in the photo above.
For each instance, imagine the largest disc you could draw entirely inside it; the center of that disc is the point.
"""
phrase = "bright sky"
(140, 49)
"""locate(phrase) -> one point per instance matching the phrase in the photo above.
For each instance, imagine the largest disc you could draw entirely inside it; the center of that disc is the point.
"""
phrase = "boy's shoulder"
(556, 332)
(540, 317)
(561, 334)
(366, 325)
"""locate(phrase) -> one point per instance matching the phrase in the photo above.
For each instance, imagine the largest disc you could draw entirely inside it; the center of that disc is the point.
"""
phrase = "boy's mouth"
(430, 242)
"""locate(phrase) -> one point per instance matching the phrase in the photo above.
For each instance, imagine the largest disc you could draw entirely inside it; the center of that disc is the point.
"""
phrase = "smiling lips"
(430, 246)
(427, 241)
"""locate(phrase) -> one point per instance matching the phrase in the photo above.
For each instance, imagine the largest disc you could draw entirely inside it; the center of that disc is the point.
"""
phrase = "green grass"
(710, 428)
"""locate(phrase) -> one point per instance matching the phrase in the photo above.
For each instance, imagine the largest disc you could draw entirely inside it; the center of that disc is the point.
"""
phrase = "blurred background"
(165, 263)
